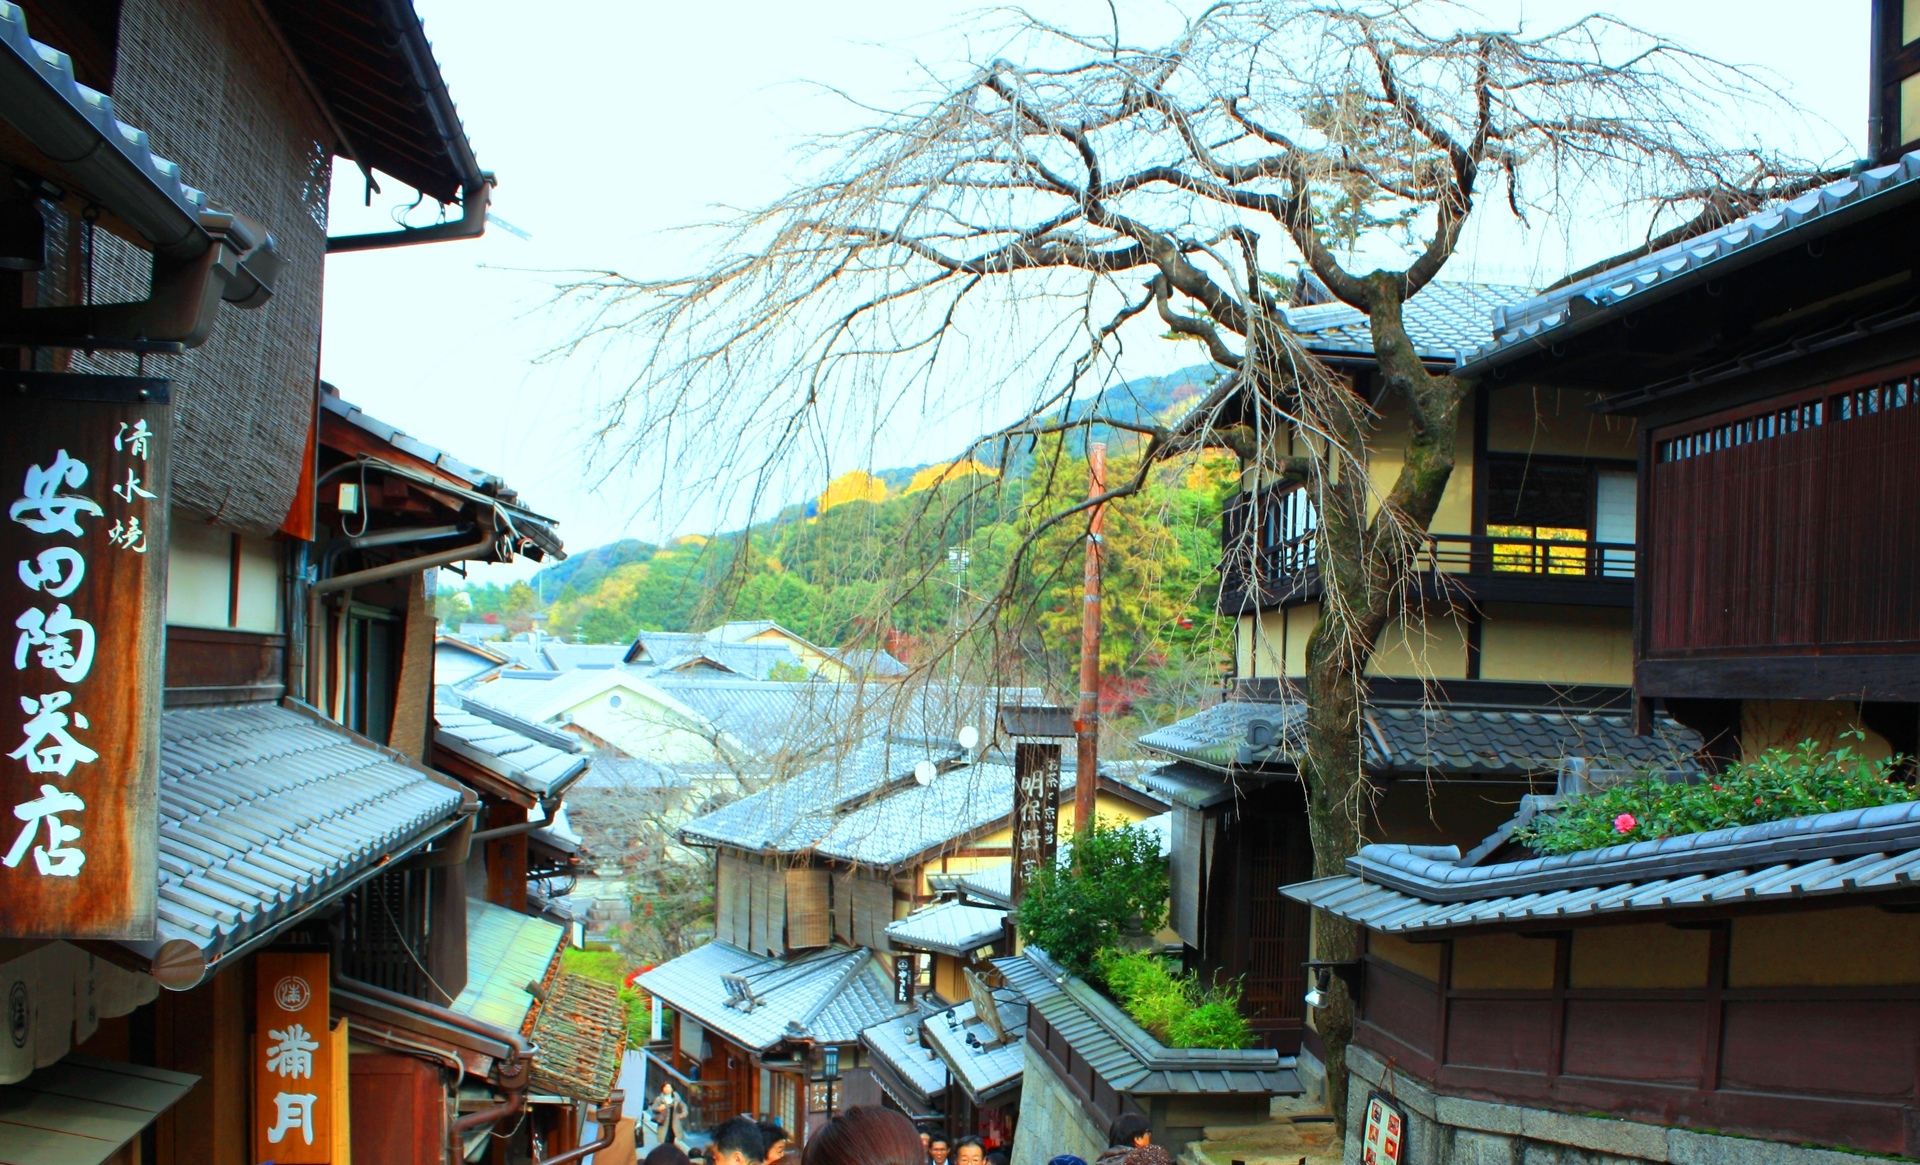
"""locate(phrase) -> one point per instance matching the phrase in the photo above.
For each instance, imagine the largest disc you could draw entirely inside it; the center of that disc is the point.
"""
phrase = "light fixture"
(349, 498)
(832, 1070)
(1322, 983)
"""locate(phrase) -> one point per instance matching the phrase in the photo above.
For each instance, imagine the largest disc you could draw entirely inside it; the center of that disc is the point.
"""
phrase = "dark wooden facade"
(1831, 1063)
(1785, 532)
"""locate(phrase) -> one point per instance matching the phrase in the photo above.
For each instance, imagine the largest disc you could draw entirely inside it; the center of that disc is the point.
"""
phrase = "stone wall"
(1452, 1130)
(1052, 1121)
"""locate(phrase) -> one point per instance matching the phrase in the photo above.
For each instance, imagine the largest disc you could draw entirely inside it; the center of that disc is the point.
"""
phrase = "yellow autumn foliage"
(853, 486)
(947, 471)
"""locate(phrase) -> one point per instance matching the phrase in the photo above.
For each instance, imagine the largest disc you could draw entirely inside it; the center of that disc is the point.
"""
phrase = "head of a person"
(667, 1154)
(926, 1140)
(997, 1157)
(970, 1151)
(1067, 1159)
(666, 1088)
(1131, 1129)
(938, 1149)
(776, 1140)
(866, 1134)
(738, 1141)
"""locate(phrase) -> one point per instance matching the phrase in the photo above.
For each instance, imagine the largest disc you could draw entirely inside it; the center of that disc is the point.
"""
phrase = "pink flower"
(1624, 823)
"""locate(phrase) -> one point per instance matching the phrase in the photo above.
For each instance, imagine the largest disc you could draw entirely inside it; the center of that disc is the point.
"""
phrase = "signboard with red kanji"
(83, 559)
(293, 1093)
(1385, 1138)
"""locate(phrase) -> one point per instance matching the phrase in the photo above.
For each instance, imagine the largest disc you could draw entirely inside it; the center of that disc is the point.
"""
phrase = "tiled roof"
(1190, 785)
(952, 928)
(1445, 321)
(540, 769)
(1216, 736)
(871, 661)
(542, 696)
(896, 1043)
(664, 652)
(801, 811)
(961, 1038)
(568, 656)
(832, 994)
(1121, 1053)
(265, 810)
(1442, 739)
(581, 1032)
(1586, 303)
(506, 950)
(895, 828)
(1420, 888)
(623, 772)
(993, 884)
(1031, 973)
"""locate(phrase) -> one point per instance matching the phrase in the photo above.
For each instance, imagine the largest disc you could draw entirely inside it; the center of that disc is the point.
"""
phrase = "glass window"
(1543, 502)
(1910, 109)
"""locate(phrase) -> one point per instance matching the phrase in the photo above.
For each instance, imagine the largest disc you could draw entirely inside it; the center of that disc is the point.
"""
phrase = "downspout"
(457, 1135)
(472, 223)
(375, 574)
(607, 1118)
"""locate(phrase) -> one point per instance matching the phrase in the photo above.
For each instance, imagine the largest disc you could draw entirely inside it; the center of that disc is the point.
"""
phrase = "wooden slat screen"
(757, 940)
(733, 902)
(1792, 526)
(872, 911)
(1185, 888)
(809, 913)
(843, 907)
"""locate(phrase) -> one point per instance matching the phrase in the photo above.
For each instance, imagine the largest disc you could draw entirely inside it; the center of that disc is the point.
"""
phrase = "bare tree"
(1077, 191)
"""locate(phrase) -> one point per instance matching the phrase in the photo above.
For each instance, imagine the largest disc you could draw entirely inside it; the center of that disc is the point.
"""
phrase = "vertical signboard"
(293, 1094)
(903, 978)
(1036, 811)
(83, 559)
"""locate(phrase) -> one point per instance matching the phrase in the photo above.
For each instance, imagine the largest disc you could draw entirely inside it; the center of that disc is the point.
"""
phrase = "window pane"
(1910, 108)
(1909, 22)
(1525, 491)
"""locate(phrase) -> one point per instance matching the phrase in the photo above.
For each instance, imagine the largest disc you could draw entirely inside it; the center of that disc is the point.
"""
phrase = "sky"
(615, 127)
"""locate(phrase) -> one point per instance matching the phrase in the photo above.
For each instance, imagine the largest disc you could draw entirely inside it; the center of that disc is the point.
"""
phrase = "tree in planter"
(1077, 191)
(1113, 884)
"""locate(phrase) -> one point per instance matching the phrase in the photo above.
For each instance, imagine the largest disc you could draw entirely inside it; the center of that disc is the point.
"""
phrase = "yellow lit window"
(1523, 558)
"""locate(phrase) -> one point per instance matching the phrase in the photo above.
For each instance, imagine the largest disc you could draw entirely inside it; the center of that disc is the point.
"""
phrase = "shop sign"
(83, 559)
(293, 1116)
(1036, 811)
(903, 978)
(1385, 1140)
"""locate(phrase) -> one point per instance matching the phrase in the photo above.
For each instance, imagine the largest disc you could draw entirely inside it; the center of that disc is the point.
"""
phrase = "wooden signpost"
(83, 558)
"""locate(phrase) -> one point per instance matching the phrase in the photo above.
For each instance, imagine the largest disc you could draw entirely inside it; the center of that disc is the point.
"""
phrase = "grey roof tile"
(986, 1073)
(1446, 320)
(952, 927)
(265, 811)
(832, 994)
(895, 1042)
(539, 768)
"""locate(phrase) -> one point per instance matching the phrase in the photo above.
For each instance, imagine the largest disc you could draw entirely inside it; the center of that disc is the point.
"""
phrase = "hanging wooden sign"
(83, 560)
(293, 1094)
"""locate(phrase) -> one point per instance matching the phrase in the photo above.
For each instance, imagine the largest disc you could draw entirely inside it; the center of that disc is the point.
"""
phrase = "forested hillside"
(901, 559)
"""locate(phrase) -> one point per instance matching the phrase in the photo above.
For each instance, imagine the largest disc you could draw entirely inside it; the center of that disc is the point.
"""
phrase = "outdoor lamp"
(1322, 983)
(832, 1070)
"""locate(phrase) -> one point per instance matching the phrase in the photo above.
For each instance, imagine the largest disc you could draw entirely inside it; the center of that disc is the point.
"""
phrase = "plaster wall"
(201, 578)
(1552, 422)
(1768, 724)
(1106, 807)
(642, 727)
(1559, 645)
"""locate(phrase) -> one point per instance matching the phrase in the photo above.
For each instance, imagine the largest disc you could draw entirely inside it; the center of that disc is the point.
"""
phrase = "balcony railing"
(1277, 560)
(709, 1102)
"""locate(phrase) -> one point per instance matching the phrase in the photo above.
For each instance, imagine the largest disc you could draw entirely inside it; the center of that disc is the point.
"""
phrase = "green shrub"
(1172, 1007)
(1776, 785)
(1114, 882)
(1214, 1024)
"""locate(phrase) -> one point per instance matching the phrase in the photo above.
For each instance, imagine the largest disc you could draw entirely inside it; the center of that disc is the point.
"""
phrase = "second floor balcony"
(1270, 558)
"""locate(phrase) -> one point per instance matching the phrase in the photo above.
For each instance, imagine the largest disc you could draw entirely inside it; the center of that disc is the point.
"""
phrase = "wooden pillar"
(204, 1031)
(507, 857)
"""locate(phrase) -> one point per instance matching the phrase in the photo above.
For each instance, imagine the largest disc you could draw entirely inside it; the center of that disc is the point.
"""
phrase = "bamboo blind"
(809, 909)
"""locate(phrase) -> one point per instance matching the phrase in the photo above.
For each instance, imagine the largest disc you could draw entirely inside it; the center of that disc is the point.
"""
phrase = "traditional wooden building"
(1662, 1001)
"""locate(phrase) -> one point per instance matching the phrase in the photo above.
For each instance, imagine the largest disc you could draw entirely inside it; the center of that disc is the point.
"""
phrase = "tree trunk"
(1363, 573)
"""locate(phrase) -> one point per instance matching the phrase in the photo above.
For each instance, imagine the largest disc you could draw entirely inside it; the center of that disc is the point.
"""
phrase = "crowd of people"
(871, 1135)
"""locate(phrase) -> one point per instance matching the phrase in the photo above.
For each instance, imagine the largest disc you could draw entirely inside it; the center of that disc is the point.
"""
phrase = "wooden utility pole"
(1086, 723)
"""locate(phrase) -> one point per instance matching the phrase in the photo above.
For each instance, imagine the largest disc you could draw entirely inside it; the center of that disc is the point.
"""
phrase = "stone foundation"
(1452, 1130)
(1052, 1121)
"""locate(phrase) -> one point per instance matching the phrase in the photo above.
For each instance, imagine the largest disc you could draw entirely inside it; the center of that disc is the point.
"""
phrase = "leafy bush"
(1173, 1007)
(1114, 882)
(1778, 784)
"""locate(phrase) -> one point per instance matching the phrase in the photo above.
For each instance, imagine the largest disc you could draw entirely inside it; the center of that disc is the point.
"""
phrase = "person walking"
(669, 1114)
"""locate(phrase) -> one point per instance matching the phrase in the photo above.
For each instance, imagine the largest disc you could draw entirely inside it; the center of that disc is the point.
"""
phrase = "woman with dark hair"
(866, 1135)
(667, 1154)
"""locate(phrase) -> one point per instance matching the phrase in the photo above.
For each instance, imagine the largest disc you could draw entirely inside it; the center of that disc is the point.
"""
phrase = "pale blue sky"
(612, 124)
